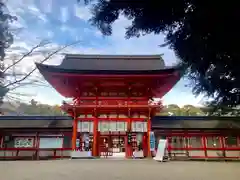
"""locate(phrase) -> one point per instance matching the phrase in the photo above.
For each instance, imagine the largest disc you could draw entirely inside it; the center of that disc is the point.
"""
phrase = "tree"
(15, 78)
(175, 110)
(12, 78)
(6, 39)
(36, 108)
(6, 36)
(221, 112)
(203, 34)
(190, 110)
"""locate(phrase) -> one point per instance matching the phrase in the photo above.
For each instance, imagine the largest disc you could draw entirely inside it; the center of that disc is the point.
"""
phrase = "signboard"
(152, 141)
(161, 150)
(139, 126)
(51, 142)
(23, 142)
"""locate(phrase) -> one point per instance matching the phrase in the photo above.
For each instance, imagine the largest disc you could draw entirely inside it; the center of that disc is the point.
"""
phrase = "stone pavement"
(118, 170)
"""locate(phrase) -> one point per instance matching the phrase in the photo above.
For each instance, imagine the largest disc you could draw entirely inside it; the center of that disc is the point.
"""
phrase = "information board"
(51, 142)
(161, 150)
(23, 142)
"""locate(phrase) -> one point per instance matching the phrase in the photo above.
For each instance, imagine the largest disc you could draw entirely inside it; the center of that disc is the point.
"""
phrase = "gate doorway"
(112, 146)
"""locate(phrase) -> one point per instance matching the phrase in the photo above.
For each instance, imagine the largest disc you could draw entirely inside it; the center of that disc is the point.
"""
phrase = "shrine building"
(112, 113)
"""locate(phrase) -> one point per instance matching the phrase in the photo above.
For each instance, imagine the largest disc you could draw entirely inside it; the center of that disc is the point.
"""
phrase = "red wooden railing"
(203, 150)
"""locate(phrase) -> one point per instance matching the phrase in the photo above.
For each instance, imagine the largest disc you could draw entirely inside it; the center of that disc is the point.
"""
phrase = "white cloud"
(72, 31)
(64, 14)
(148, 44)
(19, 7)
(66, 28)
(46, 6)
(50, 34)
(82, 12)
(37, 13)
(181, 96)
(98, 33)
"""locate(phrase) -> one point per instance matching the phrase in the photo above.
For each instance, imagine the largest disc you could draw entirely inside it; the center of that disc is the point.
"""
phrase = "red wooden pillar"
(129, 146)
(37, 143)
(169, 145)
(204, 141)
(149, 154)
(129, 124)
(222, 144)
(145, 144)
(74, 133)
(95, 137)
(126, 146)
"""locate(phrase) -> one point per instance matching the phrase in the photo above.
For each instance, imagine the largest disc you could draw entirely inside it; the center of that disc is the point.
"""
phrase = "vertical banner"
(139, 137)
(86, 140)
(77, 143)
(152, 141)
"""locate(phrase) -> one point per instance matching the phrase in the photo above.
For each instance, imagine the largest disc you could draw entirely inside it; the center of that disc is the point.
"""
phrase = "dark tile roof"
(158, 122)
(113, 62)
(35, 117)
(35, 122)
(195, 122)
(85, 63)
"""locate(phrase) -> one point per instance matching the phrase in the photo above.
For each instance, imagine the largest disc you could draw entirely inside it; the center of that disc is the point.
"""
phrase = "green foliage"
(35, 108)
(221, 111)
(203, 34)
(187, 110)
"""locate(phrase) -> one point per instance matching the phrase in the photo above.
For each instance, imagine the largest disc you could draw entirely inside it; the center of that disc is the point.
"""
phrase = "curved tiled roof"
(125, 63)
(195, 122)
(112, 62)
(158, 122)
(35, 122)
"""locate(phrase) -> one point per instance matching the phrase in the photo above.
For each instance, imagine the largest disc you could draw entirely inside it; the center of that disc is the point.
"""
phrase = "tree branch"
(45, 59)
(33, 83)
(41, 44)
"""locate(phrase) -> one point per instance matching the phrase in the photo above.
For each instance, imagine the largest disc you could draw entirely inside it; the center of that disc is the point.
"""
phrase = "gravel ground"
(118, 169)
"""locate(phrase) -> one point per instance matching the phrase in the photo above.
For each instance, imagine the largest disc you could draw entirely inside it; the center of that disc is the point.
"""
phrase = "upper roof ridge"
(112, 57)
(112, 62)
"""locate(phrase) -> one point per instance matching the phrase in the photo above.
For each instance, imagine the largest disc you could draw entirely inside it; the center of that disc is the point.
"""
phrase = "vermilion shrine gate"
(112, 99)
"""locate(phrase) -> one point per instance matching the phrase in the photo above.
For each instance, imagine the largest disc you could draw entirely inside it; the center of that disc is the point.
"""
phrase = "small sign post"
(161, 150)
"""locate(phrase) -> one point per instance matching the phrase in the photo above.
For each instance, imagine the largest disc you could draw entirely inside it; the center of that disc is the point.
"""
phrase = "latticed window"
(231, 141)
(178, 142)
(195, 142)
(213, 142)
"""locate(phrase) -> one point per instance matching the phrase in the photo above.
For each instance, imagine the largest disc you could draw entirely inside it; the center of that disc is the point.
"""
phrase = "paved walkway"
(118, 170)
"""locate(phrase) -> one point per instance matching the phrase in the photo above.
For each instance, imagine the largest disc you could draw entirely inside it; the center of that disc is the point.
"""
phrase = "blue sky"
(65, 21)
